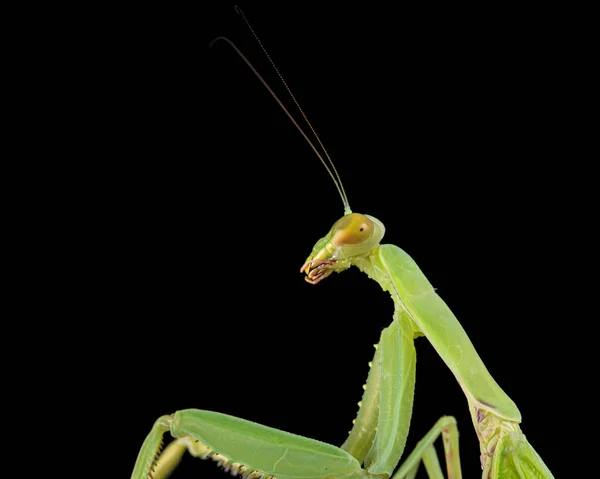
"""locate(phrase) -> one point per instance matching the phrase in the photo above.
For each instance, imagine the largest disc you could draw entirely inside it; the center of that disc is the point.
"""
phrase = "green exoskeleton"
(376, 442)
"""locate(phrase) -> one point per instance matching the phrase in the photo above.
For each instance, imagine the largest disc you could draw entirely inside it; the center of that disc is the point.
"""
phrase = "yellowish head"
(351, 236)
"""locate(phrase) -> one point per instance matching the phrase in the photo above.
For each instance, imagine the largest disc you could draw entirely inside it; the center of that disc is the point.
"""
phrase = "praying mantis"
(384, 449)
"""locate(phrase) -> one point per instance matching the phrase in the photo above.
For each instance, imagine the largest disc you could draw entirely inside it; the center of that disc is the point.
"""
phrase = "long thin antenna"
(339, 180)
(340, 191)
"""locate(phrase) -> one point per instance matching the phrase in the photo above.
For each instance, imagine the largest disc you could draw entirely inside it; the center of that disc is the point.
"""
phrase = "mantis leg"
(381, 427)
(170, 458)
(160, 465)
(242, 447)
(425, 451)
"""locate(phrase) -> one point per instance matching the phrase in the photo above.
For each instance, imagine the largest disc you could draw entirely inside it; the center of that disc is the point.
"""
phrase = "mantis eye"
(352, 229)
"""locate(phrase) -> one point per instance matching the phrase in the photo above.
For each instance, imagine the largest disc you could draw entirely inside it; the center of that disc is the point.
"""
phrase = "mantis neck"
(371, 265)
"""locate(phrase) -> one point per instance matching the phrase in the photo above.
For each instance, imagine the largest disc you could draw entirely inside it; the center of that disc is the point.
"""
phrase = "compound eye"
(352, 229)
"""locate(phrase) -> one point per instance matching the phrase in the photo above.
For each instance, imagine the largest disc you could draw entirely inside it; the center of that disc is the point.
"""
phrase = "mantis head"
(351, 236)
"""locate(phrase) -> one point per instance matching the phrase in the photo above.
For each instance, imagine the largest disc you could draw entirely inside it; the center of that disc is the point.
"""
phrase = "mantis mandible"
(378, 437)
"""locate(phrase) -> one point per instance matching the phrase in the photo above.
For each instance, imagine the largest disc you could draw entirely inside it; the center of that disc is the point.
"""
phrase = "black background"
(449, 126)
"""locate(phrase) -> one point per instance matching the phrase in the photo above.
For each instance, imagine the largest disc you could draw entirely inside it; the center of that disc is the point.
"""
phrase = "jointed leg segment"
(425, 450)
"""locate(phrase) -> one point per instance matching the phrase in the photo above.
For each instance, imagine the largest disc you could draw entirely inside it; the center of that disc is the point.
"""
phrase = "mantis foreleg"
(396, 391)
(244, 447)
(377, 438)
(170, 458)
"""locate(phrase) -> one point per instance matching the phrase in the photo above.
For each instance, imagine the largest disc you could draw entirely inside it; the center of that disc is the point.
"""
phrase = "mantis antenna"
(336, 178)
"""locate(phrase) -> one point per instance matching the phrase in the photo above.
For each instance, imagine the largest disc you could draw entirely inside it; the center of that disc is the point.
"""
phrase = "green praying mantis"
(376, 443)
